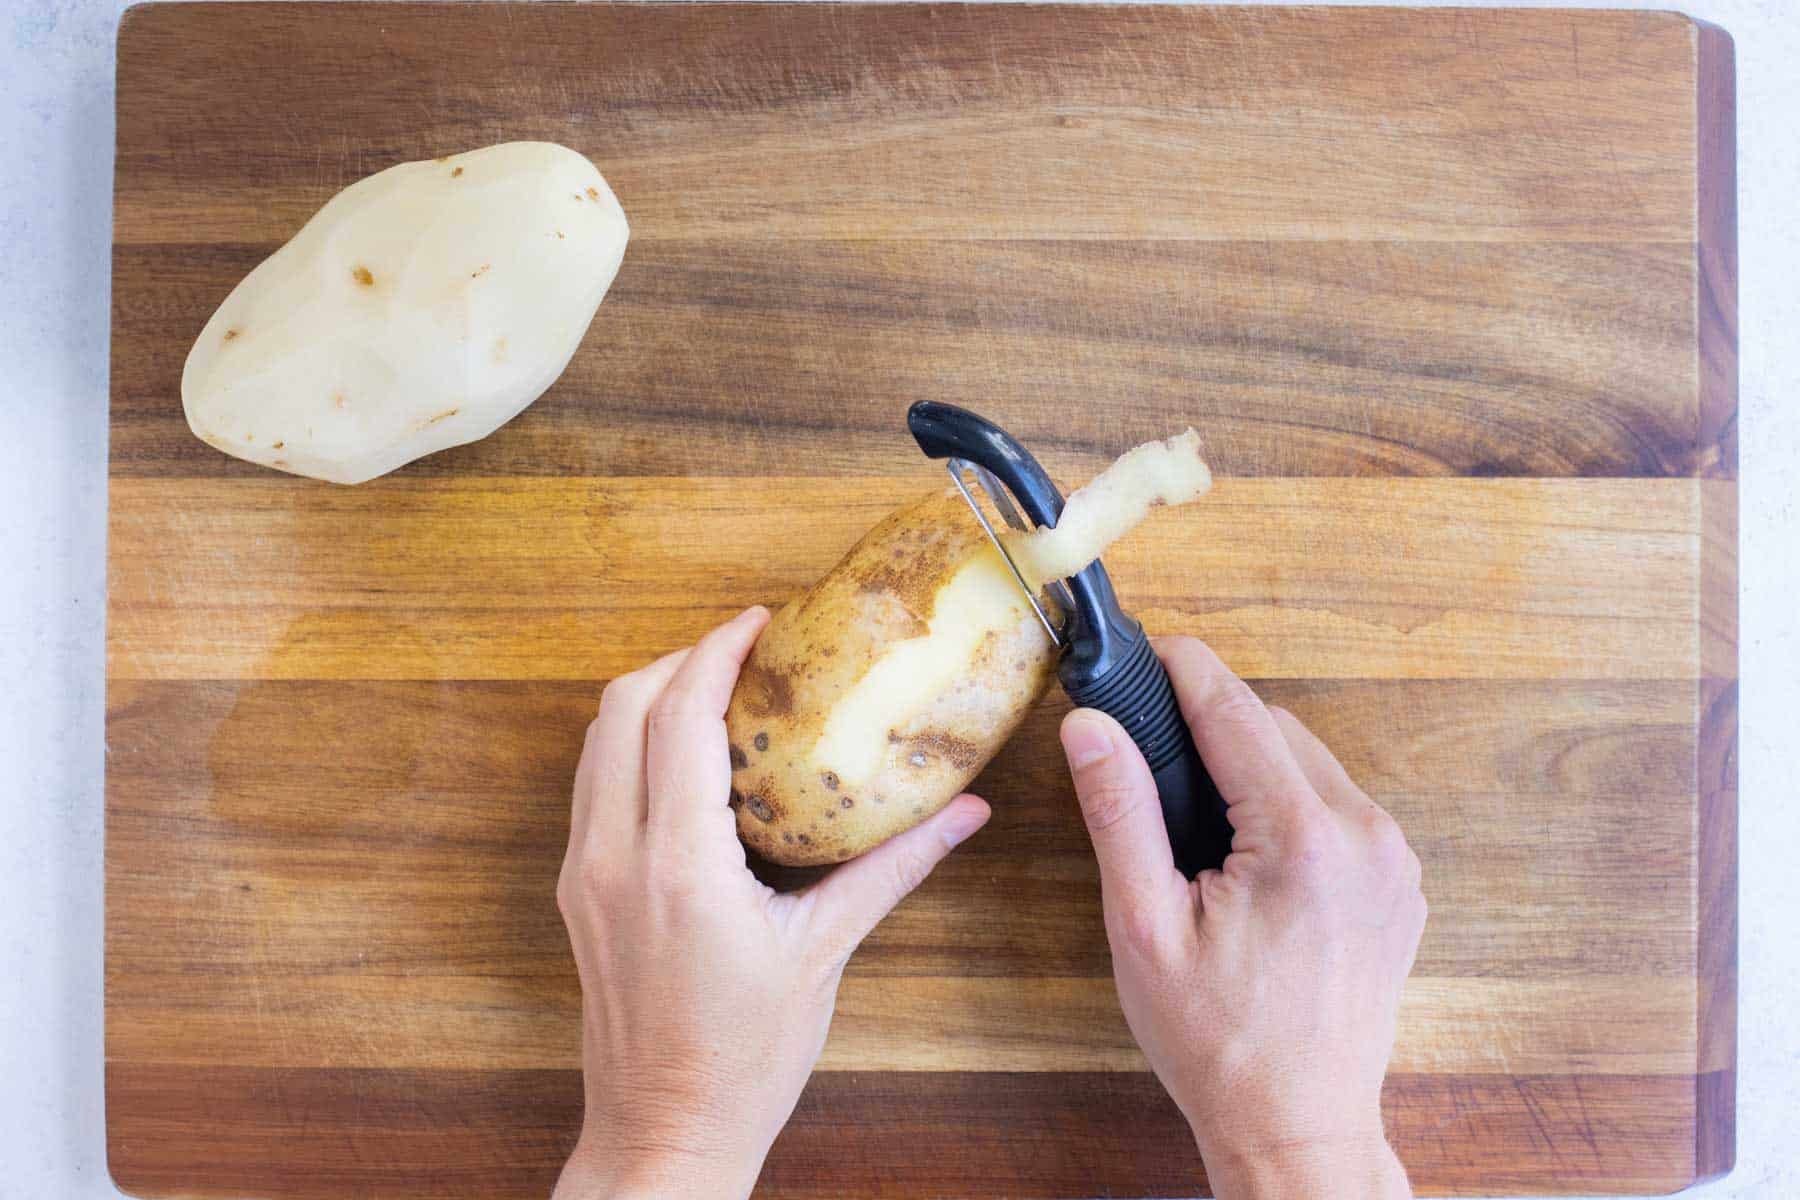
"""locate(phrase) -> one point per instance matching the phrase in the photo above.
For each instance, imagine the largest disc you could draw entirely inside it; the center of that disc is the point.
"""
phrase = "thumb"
(1123, 815)
(853, 899)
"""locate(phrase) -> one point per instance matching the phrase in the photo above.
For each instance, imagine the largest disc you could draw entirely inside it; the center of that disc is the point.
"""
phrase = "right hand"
(1264, 994)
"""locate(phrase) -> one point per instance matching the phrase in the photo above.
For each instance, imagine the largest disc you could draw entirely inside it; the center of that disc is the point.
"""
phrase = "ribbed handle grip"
(1137, 694)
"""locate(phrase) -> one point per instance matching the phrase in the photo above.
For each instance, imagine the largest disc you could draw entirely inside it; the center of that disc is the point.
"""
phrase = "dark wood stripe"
(1716, 246)
(1716, 762)
(288, 1133)
(1717, 967)
(1715, 1123)
(1300, 358)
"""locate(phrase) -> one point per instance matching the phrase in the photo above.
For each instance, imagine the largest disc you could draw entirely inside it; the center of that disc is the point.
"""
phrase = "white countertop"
(56, 133)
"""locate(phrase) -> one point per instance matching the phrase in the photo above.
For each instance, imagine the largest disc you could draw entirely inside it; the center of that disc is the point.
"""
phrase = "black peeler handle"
(1127, 682)
(1109, 663)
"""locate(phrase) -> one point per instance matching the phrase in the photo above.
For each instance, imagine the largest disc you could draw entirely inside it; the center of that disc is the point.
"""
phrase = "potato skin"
(793, 807)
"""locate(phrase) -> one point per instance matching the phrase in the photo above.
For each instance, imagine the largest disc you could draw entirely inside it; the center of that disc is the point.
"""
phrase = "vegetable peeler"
(1106, 660)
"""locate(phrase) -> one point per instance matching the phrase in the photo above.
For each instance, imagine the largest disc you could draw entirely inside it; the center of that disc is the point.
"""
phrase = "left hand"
(706, 995)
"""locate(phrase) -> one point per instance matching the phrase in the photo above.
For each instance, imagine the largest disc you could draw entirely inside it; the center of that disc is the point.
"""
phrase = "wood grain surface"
(1450, 296)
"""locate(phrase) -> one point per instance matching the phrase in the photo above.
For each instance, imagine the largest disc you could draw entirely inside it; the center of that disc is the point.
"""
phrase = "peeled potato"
(872, 700)
(421, 308)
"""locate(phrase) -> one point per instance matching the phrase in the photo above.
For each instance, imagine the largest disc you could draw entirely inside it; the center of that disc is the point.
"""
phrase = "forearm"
(1366, 1169)
(595, 1173)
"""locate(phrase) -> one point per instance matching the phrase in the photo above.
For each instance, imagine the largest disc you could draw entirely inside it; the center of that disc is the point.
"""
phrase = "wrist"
(1357, 1164)
(598, 1171)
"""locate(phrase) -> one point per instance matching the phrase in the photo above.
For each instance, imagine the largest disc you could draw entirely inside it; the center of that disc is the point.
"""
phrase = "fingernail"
(1085, 740)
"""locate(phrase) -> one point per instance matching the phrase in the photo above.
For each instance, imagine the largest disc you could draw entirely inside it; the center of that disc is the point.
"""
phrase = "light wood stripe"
(417, 828)
(588, 578)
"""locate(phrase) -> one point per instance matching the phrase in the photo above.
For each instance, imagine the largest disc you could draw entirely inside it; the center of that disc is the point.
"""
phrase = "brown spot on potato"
(805, 840)
(443, 416)
(456, 173)
(483, 269)
(788, 838)
(759, 808)
(735, 799)
(593, 193)
(278, 446)
(362, 275)
(337, 400)
(559, 235)
(739, 760)
(903, 585)
(231, 334)
(761, 742)
(909, 555)
(846, 802)
(830, 780)
(831, 814)
(765, 693)
(958, 752)
(499, 350)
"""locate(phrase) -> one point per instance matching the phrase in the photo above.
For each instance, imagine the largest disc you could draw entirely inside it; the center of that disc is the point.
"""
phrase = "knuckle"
(1182, 648)
(909, 871)
(1232, 703)
(1387, 841)
(1139, 930)
(1312, 853)
(1306, 830)
(1107, 801)
(668, 706)
(680, 880)
(677, 704)
(592, 882)
(626, 691)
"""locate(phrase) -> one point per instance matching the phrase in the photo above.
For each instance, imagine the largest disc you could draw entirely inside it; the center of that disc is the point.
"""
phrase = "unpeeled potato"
(873, 699)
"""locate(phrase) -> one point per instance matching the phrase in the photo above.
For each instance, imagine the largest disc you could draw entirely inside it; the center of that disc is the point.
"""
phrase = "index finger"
(610, 773)
(1238, 739)
(687, 760)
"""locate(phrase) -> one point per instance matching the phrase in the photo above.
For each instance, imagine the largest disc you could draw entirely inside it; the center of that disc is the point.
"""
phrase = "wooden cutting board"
(1450, 296)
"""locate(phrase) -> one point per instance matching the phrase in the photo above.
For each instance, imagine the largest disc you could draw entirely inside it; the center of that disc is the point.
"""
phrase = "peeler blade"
(997, 495)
